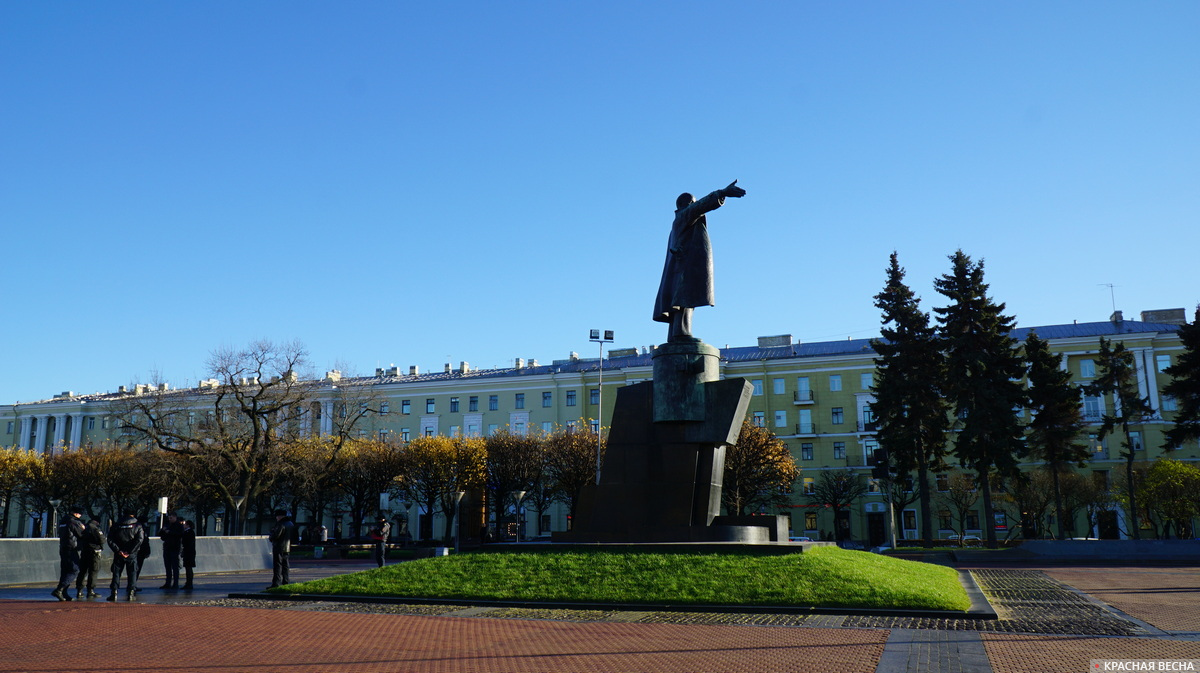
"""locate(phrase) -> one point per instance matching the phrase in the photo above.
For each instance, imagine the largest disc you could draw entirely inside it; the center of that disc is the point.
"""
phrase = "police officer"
(126, 538)
(89, 559)
(172, 547)
(70, 539)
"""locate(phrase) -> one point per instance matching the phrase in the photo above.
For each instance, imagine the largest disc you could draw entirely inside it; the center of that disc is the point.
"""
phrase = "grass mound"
(822, 577)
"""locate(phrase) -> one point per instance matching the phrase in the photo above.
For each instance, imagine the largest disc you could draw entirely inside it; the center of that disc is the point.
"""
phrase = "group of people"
(80, 547)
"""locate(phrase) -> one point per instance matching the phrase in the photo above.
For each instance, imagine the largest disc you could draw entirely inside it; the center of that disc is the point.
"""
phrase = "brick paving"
(1050, 620)
(1168, 598)
(139, 638)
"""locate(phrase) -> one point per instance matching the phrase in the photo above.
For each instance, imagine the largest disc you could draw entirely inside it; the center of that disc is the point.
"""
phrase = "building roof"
(728, 354)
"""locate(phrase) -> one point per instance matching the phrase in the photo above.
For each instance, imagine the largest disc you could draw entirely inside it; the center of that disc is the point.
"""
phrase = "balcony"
(802, 397)
(803, 429)
(868, 426)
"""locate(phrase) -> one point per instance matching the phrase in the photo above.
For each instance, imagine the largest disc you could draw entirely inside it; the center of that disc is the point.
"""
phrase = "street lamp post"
(520, 497)
(52, 528)
(458, 496)
(597, 337)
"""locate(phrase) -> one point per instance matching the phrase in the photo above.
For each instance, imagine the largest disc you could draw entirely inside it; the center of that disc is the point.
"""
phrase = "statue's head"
(684, 199)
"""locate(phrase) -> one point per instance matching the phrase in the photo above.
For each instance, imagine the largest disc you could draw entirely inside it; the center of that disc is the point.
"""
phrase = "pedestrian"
(126, 538)
(379, 535)
(89, 559)
(281, 545)
(172, 546)
(189, 553)
(70, 539)
(143, 551)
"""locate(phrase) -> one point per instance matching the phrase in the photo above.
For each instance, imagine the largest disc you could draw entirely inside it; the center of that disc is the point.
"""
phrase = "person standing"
(281, 546)
(379, 535)
(70, 539)
(89, 559)
(126, 538)
(172, 546)
(188, 546)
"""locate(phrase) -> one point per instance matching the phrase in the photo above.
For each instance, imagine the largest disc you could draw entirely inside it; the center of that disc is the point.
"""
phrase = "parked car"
(967, 540)
(801, 538)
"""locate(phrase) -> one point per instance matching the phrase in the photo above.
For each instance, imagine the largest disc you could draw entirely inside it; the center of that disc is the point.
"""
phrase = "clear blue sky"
(421, 183)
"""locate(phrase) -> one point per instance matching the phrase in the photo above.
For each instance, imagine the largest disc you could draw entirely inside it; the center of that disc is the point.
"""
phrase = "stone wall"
(29, 561)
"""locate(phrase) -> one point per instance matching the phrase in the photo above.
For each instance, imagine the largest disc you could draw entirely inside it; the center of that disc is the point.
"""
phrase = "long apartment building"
(815, 396)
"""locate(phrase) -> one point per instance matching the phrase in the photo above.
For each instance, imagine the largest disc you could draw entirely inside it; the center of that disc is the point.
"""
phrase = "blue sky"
(414, 184)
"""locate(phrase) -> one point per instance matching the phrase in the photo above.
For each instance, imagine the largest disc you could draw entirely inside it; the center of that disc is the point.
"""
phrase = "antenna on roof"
(1112, 294)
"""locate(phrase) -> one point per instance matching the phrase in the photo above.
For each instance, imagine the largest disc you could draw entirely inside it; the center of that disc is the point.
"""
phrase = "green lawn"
(822, 577)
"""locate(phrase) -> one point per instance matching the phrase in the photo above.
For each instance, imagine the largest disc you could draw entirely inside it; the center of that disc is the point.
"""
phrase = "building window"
(758, 389)
(943, 483)
(594, 396)
(872, 486)
(405, 407)
(91, 424)
(429, 406)
(781, 419)
(384, 408)
(806, 451)
(492, 429)
(519, 401)
(9, 427)
(493, 402)
(473, 403)
(518, 429)
(972, 520)
(1135, 441)
(837, 416)
(383, 435)
(570, 398)
(1168, 403)
(472, 429)
(810, 486)
(839, 450)
(1162, 362)
(595, 425)
(453, 405)
(910, 519)
(835, 383)
(778, 386)
(1093, 408)
(547, 427)
(865, 380)
(810, 521)
(1087, 369)
(547, 399)
(429, 432)
(945, 522)
(760, 419)
(405, 434)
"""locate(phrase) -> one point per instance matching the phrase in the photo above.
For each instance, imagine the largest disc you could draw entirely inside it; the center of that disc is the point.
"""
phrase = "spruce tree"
(983, 371)
(1116, 375)
(909, 408)
(1057, 418)
(1185, 386)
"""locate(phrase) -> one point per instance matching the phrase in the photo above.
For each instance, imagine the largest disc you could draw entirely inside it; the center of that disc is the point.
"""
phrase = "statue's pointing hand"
(733, 190)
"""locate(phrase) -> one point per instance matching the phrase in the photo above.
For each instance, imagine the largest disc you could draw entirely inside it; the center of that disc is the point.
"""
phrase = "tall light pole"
(607, 338)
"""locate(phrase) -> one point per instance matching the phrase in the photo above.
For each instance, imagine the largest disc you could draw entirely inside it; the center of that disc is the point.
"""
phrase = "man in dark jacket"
(126, 538)
(70, 539)
(144, 550)
(379, 537)
(281, 546)
(189, 553)
(172, 547)
(89, 559)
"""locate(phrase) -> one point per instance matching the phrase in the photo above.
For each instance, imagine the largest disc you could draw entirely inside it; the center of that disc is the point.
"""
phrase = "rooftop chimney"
(1168, 316)
(1116, 318)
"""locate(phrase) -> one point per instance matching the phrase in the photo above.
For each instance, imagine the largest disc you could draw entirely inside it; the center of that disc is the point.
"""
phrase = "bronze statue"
(687, 280)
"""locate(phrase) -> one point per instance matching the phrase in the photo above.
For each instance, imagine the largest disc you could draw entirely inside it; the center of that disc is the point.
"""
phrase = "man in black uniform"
(70, 539)
(172, 547)
(126, 538)
(281, 545)
(89, 559)
(189, 553)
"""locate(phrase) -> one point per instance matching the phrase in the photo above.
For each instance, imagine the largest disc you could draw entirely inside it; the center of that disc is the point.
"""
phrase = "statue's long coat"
(687, 279)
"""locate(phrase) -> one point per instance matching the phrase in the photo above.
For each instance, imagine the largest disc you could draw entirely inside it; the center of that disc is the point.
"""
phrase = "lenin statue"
(687, 279)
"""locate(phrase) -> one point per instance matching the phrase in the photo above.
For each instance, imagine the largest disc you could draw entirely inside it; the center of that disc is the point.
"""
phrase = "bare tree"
(837, 490)
(960, 497)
